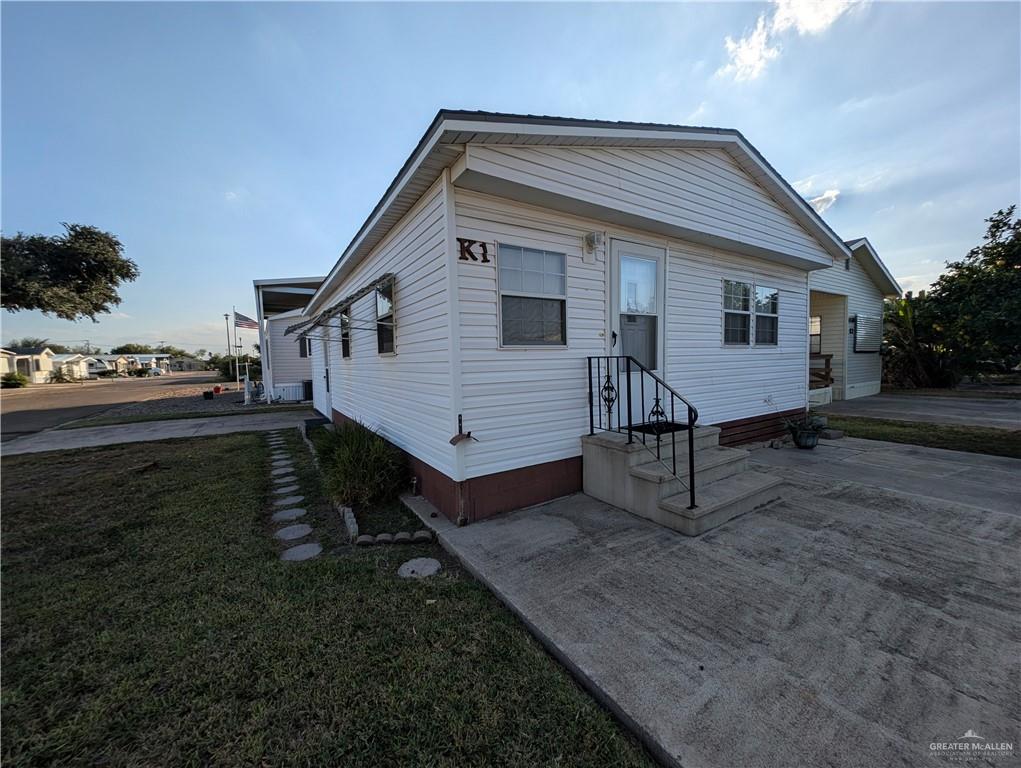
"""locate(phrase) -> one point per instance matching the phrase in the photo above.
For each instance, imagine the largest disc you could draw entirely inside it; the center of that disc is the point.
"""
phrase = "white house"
(109, 364)
(524, 278)
(286, 360)
(71, 365)
(34, 362)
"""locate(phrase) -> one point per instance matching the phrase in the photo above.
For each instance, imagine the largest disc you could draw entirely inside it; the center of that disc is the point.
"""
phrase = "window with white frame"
(304, 346)
(751, 314)
(533, 296)
(385, 317)
(815, 335)
(345, 333)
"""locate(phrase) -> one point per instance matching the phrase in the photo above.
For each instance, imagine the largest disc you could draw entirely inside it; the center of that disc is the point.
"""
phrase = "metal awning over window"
(322, 320)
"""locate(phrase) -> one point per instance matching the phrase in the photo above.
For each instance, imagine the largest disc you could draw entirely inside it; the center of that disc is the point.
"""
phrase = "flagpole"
(237, 359)
(227, 323)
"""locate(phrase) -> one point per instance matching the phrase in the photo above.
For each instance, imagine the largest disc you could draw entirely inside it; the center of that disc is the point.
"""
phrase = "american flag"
(243, 321)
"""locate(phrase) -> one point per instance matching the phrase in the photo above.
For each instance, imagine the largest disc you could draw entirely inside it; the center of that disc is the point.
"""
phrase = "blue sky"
(226, 142)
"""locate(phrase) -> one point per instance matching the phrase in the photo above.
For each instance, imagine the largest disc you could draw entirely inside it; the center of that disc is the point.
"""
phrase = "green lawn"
(148, 621)
(981, 394)
(104, 421)
(997, 442)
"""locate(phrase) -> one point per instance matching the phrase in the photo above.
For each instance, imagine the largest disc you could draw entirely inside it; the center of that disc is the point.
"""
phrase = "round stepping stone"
(365, 540)
(284, 480)
(384, 538)
(301, 552)
(283, 465)
(292, 532)
(422, 537)
(419, 568)
(286, 515)
(281, 470)
(280, 456)
(289, 499)
(402, 538)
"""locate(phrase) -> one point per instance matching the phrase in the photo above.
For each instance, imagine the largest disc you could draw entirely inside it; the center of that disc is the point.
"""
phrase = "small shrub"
(14, 379)
(60, 376)
(361, 468)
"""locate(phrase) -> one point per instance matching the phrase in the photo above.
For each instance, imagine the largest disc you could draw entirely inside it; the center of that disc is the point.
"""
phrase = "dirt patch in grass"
(148, 621)
(988, 440)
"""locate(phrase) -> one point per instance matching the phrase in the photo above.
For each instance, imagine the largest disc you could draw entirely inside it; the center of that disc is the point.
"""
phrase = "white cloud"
(119, 316)
(808, 17)
(825, 201)
(750, 54)
(698, 113)
(804, 186)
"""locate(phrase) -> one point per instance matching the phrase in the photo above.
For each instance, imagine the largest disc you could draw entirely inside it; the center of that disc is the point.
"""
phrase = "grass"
(988, 440)
(389, 518)
(104, 421)
(148, 621)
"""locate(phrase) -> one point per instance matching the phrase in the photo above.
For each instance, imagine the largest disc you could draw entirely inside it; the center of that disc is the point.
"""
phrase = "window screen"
(533, 296)
(868, 333)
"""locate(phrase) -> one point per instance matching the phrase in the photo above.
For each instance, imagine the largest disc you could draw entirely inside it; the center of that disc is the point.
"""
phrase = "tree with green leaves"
(73, 276)
(969, 322)
(133, 349)
(31, 342)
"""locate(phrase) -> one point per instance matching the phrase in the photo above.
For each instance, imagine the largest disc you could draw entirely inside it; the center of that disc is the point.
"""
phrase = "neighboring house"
(159, 360)
(187, 364)
(34, 362)
(72, 365)
(517, 266)
(7, 361)
(119, 364)
(286, 360)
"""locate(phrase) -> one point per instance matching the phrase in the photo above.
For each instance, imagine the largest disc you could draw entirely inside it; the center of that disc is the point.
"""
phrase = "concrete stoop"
(630, 476)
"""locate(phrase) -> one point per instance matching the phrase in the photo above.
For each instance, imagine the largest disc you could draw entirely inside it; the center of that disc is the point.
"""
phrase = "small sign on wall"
(473, 250)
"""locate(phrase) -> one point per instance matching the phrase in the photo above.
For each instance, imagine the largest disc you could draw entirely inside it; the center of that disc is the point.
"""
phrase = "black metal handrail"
(606, 388)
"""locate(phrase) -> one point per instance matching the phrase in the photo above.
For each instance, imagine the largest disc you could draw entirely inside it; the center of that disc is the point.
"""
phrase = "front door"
(637, 299)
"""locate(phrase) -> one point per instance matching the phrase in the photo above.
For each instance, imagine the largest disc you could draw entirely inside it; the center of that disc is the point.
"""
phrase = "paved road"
(964, 411)
(145, 431)
(33, 409)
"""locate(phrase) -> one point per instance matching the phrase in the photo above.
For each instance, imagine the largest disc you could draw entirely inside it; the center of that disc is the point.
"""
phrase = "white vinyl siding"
(864, 370)
(833, 337)
(703, 190)
(284, 352)
(405, 396)
(531, 406)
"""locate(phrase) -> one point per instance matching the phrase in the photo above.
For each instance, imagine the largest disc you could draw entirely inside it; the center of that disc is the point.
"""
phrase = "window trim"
(345, 334)
(500, 293)
(754, 285)
(814, 335)
(392, 315)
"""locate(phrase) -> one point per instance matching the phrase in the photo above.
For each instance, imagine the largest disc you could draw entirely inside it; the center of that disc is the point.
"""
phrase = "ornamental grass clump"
(361, 468)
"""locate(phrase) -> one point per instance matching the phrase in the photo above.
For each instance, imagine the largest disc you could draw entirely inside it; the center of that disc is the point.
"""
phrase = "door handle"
(613, 339)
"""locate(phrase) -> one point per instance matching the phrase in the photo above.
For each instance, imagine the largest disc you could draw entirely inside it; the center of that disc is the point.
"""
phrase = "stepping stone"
(281, 470)
(402, 538)
(292, 532)
(283, 464)
(286, 515)
(365, 540)
(301, 552)
(384, 538)
(422, 537)
(284, 481)
(419, 568)
(287, 489)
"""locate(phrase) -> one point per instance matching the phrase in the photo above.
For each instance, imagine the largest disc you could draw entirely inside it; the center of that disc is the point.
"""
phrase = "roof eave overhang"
(874, 266)
(442, 144)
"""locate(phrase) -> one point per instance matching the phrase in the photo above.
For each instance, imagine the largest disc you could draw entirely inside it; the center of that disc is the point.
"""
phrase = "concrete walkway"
(845, 625)
(145, 431)
(964, 411)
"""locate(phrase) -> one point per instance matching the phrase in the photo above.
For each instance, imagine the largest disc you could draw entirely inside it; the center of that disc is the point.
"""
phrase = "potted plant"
(805, 430)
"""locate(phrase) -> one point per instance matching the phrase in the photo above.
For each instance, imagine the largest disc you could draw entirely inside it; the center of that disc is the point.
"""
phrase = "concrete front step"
(711, 464)
(717, 502)
(640, 453)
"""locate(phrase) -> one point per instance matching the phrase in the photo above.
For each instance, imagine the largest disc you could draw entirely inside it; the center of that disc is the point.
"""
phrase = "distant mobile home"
(286, 360)
(524, 278)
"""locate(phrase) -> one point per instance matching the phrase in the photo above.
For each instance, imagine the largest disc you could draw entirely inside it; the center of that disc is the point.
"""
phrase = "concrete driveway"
(965, 411)
(844, 625)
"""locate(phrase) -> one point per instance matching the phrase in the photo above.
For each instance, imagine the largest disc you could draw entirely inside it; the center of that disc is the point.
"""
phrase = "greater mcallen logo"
(971, 746)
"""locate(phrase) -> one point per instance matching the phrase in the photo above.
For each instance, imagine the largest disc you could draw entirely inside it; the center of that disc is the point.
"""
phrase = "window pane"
(510, 279)
(531, 282)
(532, 259)
(765, 329)
(735, 328)
(384, 299)
(638, 338)
(815, 325)
(736, 296)
(554, 263)
(553, 285)
(532, 321)
(510, 256)
(766, 300)
(637, 285)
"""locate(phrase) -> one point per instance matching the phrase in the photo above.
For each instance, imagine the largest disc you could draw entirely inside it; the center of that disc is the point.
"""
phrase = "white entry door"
(637, 299)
